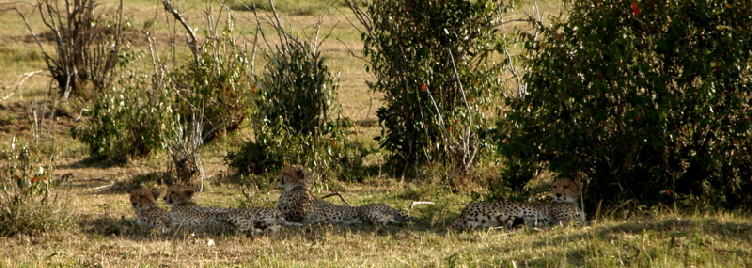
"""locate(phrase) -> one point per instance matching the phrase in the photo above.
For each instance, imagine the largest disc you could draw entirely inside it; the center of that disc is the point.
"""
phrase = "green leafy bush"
(297, 120)
(640, 97)
(219, 86)
(298, 90)
(431, 62)
(126, 119)
(149, 110)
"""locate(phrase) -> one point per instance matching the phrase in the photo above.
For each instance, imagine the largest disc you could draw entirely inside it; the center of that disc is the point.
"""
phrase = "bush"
(147, 111)
(641, 97)
(27, 203)
(86, 45)
(297, 120)
(126, 119)
(214, 95)
(219, 86)
(430, 59)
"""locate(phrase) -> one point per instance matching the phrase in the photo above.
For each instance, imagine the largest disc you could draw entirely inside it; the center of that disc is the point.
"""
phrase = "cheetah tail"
(420, 203)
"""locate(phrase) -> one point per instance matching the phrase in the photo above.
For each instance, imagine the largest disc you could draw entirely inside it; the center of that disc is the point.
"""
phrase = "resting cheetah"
(180, 197)
(299, 205)
(186, 212)
(149, 214)
(563, 209)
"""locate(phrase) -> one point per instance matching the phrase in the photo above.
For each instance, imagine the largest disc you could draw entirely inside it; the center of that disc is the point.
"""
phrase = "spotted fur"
(565, 207)
(509, 214)
(299, 205)
(187, 213)
(149, 214)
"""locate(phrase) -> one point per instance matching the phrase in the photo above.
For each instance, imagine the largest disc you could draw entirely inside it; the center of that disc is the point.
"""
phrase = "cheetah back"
(500, 214)
(193, 220)
(380, 213)
(257, 219)
(322, 211)
(188, 215)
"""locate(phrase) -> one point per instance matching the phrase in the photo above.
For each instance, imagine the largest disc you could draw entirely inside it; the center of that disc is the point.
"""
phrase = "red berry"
(635, 9)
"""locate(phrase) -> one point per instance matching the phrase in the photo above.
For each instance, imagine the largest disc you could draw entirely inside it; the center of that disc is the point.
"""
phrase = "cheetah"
(180, 198)
(563, 209)
(299, 205)
(507, 214)
(186, 212)
(149, 214)
(259, 219)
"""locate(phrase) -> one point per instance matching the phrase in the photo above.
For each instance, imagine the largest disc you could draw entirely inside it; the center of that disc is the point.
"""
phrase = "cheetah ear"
(190, 193)
(156, 193)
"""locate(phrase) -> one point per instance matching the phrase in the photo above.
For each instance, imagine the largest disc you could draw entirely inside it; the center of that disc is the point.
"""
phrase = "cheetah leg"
(241, 224)
(273, 227)
(384, 219)
(482, 220)
(313, 219)
(351, 221)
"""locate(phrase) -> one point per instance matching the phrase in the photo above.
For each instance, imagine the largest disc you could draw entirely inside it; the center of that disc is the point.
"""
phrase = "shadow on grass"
(669, 229)
(104, 225)
(680, 228)
(89, 163)
(108, 226)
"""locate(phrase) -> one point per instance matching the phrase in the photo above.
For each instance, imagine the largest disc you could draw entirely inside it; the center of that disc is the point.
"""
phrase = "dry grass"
(106, 238)
(105, 235)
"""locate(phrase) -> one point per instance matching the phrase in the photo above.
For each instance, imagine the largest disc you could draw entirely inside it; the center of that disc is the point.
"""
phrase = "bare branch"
(16, 84)
(193, 42)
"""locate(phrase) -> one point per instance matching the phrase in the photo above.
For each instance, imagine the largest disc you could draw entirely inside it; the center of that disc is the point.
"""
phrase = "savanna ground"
(105, 234)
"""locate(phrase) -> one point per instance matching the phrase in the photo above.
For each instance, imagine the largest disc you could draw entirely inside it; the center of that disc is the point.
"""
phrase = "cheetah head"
(565, 191)
(178, 195)
(142, 198)
(294, 176)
